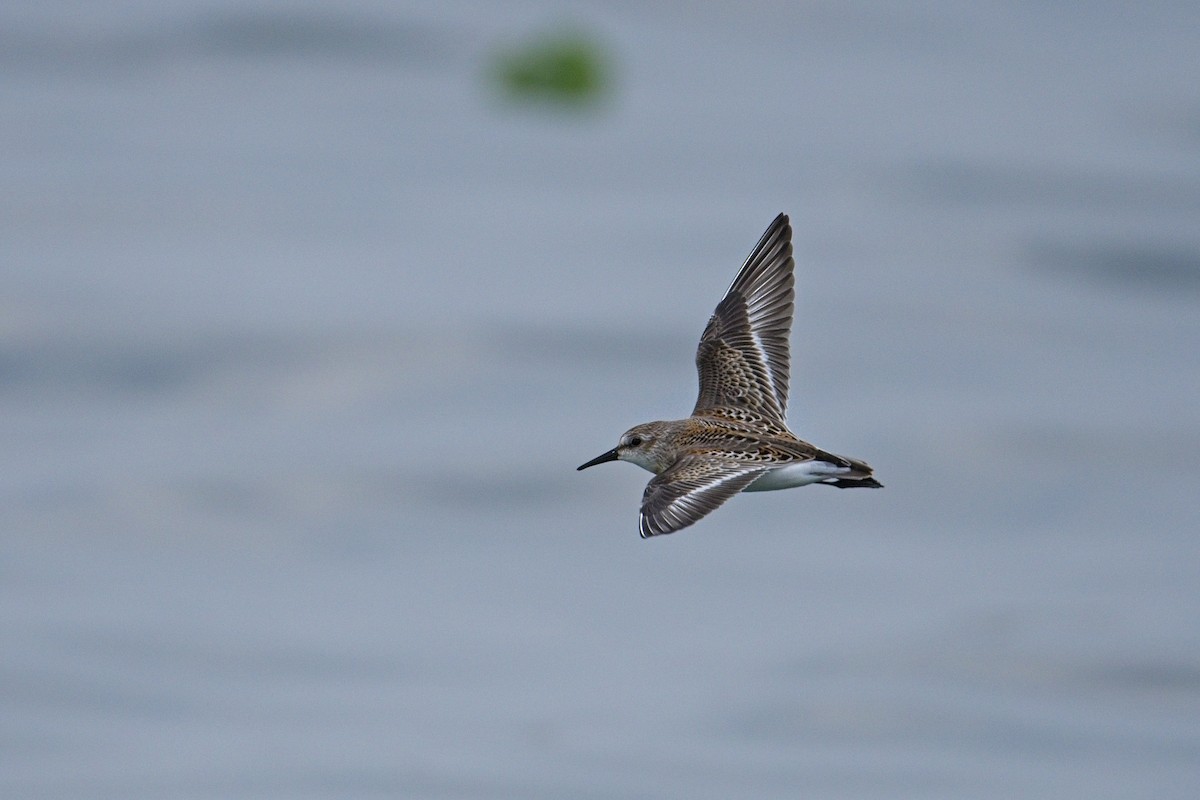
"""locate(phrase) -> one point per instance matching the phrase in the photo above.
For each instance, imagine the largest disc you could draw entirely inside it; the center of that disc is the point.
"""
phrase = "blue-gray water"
(303, 330)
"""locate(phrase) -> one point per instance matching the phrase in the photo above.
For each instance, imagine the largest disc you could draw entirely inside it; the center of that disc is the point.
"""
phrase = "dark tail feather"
(859, 476)
(853, 483)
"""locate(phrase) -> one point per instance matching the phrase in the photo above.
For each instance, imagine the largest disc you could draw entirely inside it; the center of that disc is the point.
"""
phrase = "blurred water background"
(306, 321)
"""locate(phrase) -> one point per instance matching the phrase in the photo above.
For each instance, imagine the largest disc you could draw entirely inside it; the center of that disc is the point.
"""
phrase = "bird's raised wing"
(744, 355)
(693, 486)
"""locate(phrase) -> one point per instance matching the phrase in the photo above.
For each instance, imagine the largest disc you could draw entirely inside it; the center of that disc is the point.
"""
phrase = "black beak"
(611, 455)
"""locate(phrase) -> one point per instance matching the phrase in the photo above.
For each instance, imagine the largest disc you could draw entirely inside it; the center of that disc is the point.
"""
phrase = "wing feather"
(689, 489)
(744, 355)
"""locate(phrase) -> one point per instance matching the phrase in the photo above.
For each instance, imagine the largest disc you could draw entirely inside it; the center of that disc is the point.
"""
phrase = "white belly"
(792, 475)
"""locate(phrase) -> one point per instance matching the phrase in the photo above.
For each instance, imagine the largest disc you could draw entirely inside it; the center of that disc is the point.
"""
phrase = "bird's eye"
(635, 441)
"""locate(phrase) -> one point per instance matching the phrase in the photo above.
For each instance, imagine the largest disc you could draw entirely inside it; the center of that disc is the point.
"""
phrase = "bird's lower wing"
(690, 488)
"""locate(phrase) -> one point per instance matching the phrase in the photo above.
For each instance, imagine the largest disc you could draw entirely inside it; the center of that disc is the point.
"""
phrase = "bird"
(737, 438)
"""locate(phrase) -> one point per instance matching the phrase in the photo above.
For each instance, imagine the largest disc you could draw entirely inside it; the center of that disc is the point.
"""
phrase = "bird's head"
(646, 445)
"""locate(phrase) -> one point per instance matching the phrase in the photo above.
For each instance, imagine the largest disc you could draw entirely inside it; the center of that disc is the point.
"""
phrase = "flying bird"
(737, 439)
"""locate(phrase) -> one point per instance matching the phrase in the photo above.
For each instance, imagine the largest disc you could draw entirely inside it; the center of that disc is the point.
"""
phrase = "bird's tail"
(853, 483)
(860, 475)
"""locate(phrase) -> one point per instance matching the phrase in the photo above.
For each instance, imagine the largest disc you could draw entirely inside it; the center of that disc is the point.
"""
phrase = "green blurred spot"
(563, 69)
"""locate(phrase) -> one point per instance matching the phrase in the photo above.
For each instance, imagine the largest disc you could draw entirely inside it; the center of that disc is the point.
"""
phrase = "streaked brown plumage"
(737, 438)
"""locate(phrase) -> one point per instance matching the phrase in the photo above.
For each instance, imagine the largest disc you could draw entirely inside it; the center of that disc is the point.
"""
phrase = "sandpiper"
(736, 438)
